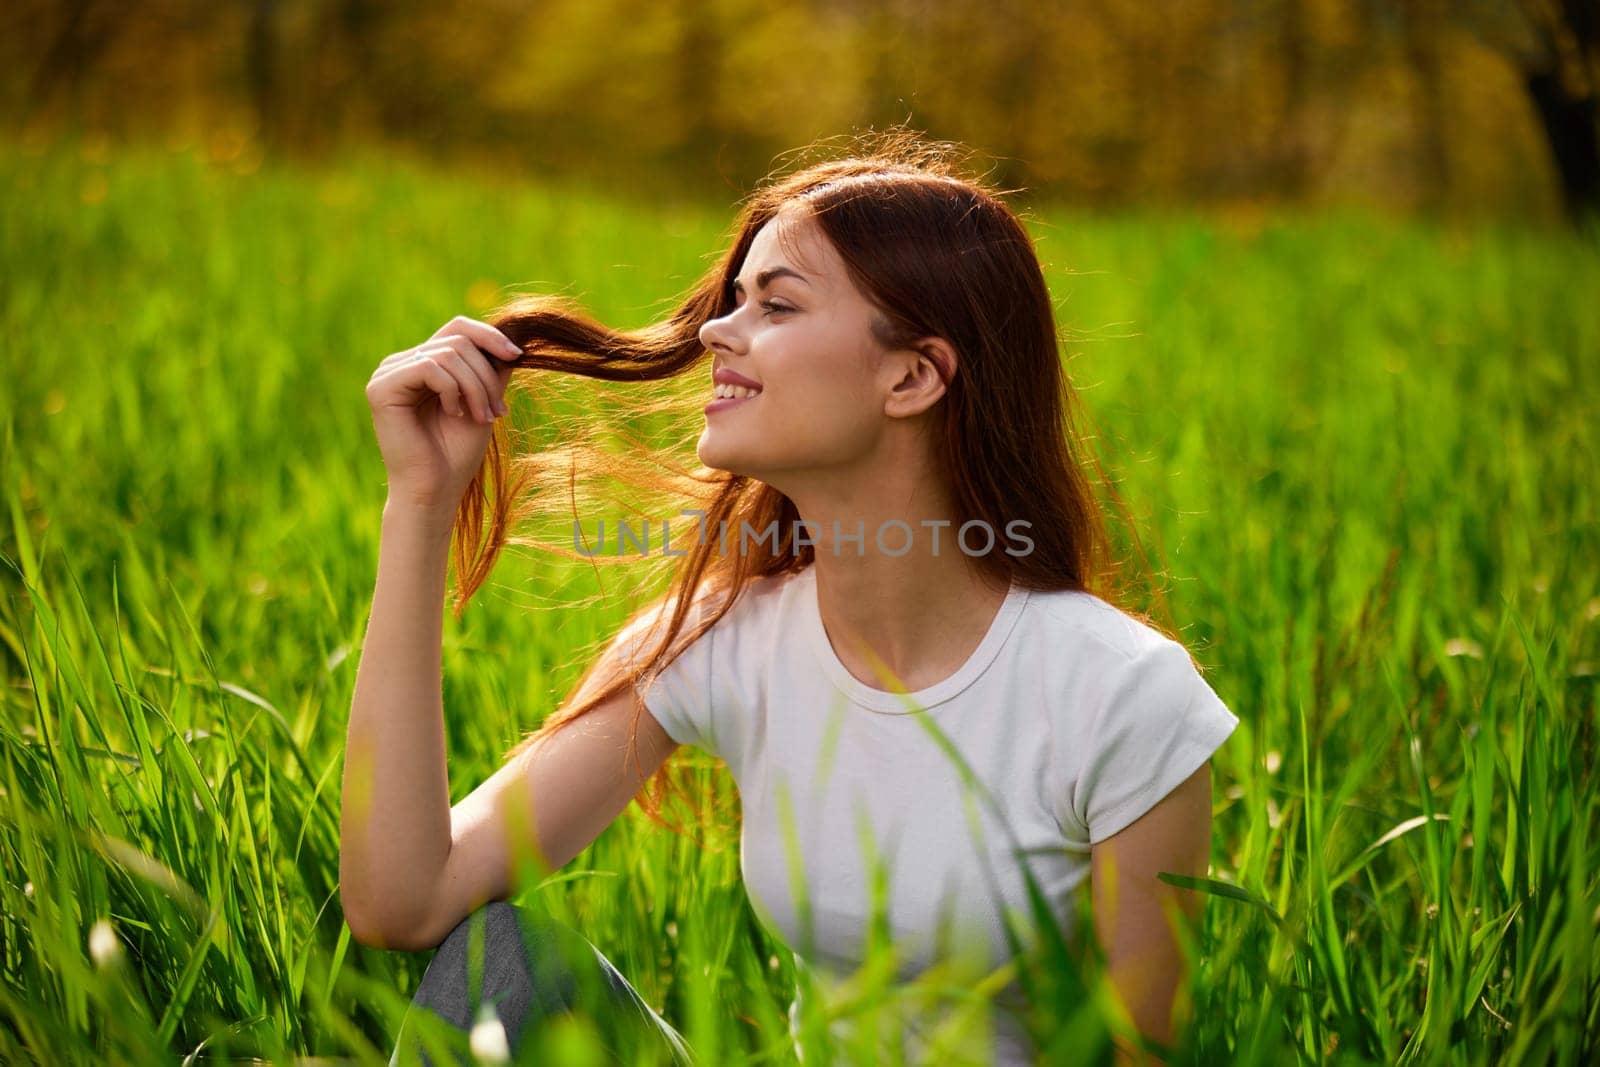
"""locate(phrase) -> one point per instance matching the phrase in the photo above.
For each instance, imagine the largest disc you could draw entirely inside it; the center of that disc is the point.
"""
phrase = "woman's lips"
(726, 402)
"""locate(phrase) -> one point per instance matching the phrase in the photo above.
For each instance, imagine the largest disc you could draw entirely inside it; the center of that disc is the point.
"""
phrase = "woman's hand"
(434, 406)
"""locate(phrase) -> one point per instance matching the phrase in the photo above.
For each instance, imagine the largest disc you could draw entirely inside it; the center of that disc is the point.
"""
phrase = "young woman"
(899, 601)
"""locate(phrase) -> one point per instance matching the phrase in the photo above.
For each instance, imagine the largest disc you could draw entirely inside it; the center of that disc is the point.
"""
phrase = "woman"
(898, 602)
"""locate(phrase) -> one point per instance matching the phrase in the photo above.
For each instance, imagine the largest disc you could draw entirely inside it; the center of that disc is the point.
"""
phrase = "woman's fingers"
(442, 382)
(481, 334)
(464, 385)
(478, 363)
(456, 364)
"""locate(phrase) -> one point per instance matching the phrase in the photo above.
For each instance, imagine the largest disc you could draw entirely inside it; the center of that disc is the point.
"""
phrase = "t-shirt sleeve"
(1159, 722)
(679, 696)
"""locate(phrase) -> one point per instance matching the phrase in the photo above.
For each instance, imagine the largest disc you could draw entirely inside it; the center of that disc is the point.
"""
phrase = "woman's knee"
(530, 967)
(527, 965)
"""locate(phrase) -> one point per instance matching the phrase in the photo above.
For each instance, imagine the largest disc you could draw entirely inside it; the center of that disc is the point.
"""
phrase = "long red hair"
(937, 253)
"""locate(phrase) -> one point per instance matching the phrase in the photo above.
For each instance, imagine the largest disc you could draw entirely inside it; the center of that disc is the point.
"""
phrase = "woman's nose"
(712, 334)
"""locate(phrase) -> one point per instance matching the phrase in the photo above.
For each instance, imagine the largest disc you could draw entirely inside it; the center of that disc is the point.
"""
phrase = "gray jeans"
(532, 967)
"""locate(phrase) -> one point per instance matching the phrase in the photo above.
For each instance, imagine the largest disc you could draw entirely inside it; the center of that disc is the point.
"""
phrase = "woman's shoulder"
(758, 600)
(1076, 620)
(768, 603)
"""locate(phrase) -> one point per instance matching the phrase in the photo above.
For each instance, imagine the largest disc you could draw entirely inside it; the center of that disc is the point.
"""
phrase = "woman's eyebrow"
(764, 278)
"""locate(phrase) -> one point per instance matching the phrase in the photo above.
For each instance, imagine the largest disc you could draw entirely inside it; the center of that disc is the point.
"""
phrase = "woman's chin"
(713, 451)
(728, 466)
(713, 458)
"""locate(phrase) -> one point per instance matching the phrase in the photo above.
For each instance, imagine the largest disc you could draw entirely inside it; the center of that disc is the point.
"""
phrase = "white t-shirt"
(1073, 717)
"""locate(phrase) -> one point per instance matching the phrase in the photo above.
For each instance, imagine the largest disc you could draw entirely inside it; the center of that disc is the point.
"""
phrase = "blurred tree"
(1292, 159)
(74, 35)
(1406, 102)
(1555, 45)
(1424, 26)
(262, 73)
(697, 65)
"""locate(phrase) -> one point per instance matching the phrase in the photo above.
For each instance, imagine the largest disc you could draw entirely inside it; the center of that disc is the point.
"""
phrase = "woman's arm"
(394, 831)
(1144, 963)
(411, 866)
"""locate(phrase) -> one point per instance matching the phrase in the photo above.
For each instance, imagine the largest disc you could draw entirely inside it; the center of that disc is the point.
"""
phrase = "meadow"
(1362, 455)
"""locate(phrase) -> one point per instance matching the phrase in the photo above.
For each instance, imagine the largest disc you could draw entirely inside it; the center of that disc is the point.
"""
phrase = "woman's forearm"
(394, 833)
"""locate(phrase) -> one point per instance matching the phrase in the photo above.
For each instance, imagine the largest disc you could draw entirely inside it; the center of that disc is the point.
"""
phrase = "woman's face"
(805, 336)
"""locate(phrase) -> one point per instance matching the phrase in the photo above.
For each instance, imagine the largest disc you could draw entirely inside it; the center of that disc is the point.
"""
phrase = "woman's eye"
(771, 307)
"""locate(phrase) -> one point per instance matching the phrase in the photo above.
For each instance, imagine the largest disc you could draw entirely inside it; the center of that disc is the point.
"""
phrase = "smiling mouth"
(727, 398)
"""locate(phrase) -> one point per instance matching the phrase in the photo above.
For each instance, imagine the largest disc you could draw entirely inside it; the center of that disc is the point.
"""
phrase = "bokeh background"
(1450, 106)
(1326, 277)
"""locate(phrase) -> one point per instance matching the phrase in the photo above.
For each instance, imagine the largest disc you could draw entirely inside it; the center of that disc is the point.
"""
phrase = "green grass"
(1366, 452)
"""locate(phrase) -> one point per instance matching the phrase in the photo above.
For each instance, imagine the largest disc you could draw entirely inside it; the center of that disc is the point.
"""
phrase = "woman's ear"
(920, 385)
